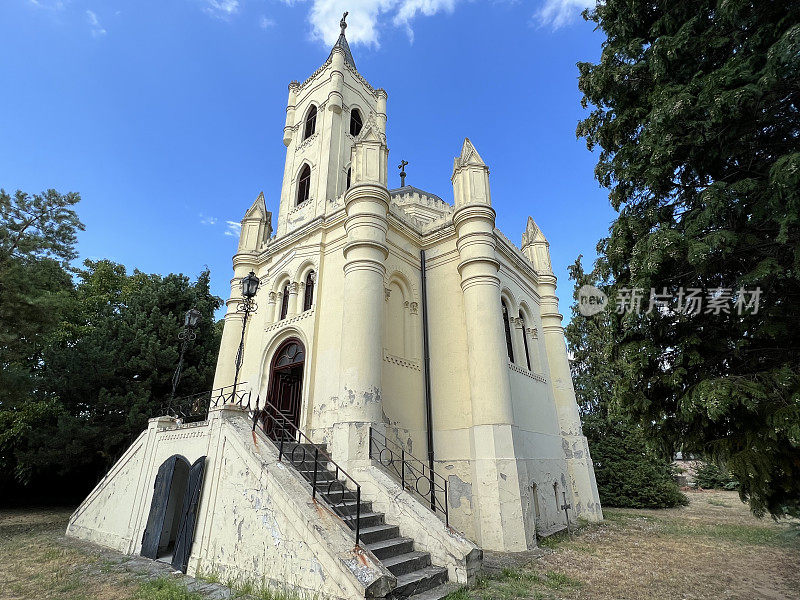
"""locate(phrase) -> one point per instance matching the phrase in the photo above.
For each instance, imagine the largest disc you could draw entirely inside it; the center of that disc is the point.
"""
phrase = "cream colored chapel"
(403, 375)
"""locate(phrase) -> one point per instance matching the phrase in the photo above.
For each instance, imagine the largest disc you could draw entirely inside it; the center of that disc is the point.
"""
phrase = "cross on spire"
(343, 22)
(402, 167)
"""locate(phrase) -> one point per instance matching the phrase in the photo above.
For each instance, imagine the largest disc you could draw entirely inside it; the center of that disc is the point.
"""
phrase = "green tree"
(695, 113)
(110, 364)
(37, 241)
(629, 472)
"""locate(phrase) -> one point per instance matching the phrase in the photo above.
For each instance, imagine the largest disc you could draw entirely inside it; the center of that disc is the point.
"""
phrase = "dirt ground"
(712, 548)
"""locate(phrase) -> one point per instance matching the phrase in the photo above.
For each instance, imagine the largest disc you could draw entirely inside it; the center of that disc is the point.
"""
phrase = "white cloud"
(48, 4)
(558, 13)
(362, 22)
(97, 28)
(265, 22)
(222, 9)
(207, 220)
(232, 228)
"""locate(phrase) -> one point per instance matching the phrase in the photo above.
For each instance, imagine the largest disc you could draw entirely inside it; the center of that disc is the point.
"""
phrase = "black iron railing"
(308, 457)
(190, 409)
(414, 475)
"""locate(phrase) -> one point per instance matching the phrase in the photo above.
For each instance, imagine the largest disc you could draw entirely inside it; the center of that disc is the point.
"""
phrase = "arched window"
(355, 122)
(525, 339)
(285, 302)
(308, 299)
(311, 122)
(507, 326)
(349, 175)
(304, 184)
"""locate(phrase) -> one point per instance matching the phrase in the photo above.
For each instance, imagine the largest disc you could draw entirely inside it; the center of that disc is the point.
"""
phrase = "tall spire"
(342, 43)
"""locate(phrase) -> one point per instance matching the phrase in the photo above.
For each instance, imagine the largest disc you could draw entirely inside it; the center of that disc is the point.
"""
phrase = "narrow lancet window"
(525, 339)
(355, 122)
(507, 326)
(285, 302)
(349, 176)
(311, 123)
(308, 299)
(304, 184)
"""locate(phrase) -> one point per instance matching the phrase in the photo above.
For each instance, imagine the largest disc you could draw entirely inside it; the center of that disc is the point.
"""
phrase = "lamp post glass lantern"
(192, 318)
(249, 289)
(190, 321)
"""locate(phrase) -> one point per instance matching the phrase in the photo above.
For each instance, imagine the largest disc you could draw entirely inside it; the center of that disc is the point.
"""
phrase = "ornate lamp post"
(190, 321)
(247, 305)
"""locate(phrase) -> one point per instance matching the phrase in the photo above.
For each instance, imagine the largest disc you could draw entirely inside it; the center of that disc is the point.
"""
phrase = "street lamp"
(190, 321)
(247, 305)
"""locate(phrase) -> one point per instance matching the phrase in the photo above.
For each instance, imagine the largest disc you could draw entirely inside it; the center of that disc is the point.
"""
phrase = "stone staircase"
(417, 578)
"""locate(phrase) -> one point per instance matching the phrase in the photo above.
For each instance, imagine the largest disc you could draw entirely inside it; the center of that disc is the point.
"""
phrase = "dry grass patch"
(35, 563)
(713, 548)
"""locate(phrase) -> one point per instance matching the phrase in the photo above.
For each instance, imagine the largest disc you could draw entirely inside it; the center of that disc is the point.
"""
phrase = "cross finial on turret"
(343, 22)
(402, 167)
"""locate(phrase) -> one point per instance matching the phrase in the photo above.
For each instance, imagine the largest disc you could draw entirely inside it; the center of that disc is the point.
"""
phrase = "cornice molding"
(401, 362)
(284, 322)
(527, 373)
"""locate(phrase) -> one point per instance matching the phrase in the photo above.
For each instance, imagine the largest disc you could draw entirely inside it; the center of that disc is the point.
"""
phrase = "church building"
(392, 395)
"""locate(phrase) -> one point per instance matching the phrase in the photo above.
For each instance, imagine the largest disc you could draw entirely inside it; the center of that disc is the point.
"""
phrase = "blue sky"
(167, 115)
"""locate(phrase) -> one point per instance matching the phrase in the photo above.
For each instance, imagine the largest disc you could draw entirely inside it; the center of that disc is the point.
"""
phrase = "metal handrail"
(195, 407)
(279, 429)
(411, 471)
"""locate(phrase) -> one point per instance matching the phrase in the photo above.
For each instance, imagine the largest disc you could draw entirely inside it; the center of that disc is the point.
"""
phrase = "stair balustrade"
(415, 476)
(316, 465)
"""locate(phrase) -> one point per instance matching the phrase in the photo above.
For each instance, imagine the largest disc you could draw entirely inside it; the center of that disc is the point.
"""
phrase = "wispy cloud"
(48, 4)
(364, 16)
(204, 220)
(232, 228)
(97, 28)
(265, 22)
(558, 13)
(221, 9)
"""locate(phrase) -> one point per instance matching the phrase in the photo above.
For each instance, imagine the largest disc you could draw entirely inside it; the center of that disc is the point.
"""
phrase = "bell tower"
(324, 115)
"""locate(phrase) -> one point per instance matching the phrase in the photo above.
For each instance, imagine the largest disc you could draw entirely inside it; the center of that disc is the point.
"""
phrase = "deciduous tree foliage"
(695, 115)
(85, 360)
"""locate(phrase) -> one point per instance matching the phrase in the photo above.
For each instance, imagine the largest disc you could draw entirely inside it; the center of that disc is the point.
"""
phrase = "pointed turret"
(342, 43)
(470, 177)
(256, 226)
(536, 247)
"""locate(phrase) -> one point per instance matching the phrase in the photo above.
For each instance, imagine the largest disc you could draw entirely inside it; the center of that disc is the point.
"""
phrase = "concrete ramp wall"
(256, 520)
(259, 524)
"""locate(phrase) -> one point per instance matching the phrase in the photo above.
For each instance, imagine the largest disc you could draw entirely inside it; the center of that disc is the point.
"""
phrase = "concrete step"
(437, 593)
(420, 581)
(391, 547)
(367, 520)
(402, 564)
(379, 533)
(349, 507)
(323, 474)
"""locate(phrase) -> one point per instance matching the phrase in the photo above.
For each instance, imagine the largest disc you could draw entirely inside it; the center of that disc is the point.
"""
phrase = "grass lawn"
(36, 561)
(712, 548)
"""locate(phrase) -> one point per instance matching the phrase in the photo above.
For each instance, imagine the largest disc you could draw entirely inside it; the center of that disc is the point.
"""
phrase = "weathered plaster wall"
(107, 515)
(256, 519)
(447, 547)
(258, 523)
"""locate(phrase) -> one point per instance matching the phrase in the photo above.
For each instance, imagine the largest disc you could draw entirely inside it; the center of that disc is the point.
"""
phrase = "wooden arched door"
(286, 380)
